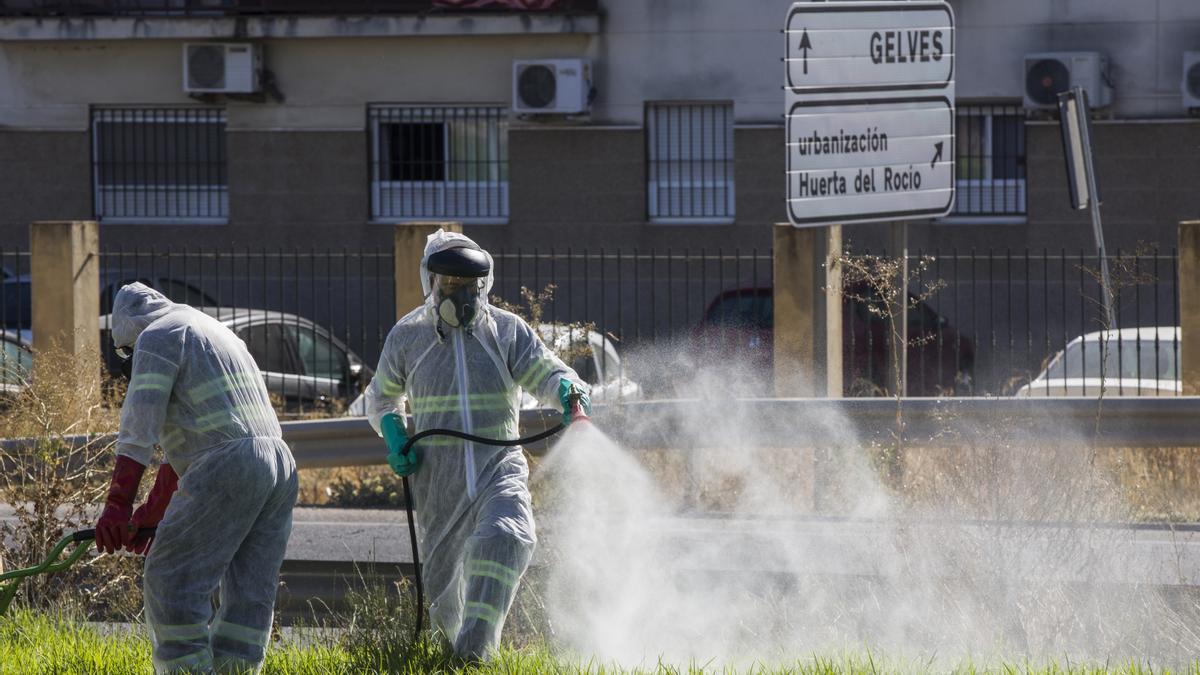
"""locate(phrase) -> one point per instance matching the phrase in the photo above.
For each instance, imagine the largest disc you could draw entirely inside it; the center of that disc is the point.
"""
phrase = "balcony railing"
(211, 8)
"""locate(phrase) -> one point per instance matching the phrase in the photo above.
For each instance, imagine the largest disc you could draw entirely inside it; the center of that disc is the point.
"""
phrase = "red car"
(738, 329)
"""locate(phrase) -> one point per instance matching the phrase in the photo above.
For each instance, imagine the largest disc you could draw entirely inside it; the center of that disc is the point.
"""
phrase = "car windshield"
(750, 310)
(1126, 359)
(15, 363)
(16, 306)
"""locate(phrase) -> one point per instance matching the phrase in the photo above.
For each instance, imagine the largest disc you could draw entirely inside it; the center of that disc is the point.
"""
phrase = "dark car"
(738, 328)
(16, 300)
(16, 362)
(302, 362)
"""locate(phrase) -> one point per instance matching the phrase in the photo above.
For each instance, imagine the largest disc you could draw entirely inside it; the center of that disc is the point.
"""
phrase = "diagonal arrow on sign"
(937, 154)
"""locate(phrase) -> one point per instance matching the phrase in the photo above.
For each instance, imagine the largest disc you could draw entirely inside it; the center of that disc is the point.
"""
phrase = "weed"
(56, 468)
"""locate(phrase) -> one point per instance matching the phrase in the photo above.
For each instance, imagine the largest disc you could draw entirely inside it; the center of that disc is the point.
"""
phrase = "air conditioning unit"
(1050, 73)
(552, 86)
(1191, 82)
(221, 67)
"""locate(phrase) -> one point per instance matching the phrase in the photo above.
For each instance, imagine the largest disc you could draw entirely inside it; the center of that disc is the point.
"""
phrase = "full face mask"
(458, 276)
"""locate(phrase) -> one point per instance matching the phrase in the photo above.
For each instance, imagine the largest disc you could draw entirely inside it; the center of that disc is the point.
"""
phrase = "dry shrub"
(56, 463)
(1159, 484)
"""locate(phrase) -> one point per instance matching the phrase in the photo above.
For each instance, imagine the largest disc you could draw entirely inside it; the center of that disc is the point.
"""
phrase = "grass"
(35, 643)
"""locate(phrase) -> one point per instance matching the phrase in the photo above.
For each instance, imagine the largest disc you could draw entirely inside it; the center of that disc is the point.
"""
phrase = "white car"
(1139, 362)
(597, 363)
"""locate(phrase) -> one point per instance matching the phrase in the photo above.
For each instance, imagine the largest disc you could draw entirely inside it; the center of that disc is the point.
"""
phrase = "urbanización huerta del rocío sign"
(870, 111)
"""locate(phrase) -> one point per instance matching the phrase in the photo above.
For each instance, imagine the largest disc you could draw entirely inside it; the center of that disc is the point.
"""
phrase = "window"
(990, 165)
(16, 363)
(321, 358)
(159, 164)
(439, 162)
(267, 346)
(1125, 359)
(690, 152)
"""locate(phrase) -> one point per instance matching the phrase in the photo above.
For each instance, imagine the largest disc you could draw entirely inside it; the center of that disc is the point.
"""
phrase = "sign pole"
(1094, 201)
(900, 311)
(1074, 117)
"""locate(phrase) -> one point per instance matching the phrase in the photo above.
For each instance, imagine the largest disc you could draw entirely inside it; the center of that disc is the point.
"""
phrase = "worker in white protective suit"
(461, 364)
(195, 391)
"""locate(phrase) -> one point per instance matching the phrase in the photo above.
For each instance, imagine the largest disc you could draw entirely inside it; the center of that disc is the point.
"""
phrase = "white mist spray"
(736, 565)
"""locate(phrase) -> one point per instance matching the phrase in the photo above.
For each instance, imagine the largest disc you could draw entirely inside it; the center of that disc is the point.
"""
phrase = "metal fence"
(314, 320)
(208, 8)
(995, 323)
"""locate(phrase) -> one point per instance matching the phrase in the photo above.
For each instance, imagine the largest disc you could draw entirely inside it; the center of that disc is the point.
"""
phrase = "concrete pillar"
(1189, 306)
(65, 290)
(409, 247)
(834, 386)
(808, 311)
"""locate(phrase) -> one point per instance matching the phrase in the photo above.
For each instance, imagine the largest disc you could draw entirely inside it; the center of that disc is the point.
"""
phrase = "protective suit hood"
(136, 307)
(442, 240)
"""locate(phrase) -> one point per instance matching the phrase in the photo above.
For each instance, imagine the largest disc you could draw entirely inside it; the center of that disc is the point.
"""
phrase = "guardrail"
(685, 424)
(783, 423)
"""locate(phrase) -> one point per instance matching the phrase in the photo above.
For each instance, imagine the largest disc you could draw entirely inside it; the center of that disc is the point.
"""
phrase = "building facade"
(369, 113)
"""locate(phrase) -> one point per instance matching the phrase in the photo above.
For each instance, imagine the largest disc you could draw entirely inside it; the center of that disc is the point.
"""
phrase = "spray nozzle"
(575, 398)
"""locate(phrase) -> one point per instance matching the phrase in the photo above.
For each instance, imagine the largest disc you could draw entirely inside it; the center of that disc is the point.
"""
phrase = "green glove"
(396, 438)
(565, 389)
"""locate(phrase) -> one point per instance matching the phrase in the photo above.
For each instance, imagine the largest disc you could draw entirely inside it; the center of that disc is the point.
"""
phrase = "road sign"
(870, 159)
(870, 112)
(860, 46)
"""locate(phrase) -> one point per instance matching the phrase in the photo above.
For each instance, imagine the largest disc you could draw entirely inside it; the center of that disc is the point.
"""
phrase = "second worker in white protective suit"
(196, 392)
(461, 364)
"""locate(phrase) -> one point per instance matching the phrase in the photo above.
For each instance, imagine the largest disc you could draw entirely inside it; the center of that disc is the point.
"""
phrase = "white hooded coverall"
(196, 391)
(472, 501)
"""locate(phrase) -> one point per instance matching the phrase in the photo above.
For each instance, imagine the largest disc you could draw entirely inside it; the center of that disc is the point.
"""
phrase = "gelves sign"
(870, 111)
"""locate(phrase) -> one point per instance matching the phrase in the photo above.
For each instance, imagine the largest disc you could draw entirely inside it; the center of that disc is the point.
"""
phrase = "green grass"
(36, 643)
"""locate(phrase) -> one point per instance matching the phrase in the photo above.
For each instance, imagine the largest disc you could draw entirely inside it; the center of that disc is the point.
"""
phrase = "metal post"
(900, 249)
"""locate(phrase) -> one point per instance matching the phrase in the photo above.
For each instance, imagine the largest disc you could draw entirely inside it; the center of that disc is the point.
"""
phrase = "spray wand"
(574, 398)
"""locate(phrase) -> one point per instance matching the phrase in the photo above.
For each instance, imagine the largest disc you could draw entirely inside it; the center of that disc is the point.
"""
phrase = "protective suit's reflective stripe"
(387, 387)
(493, 570)
(214, 421)
(232, 631)
(181, 633)
(201, 660)
(223, 385)
(151, 382)
(425, 407)
(536, 373)
(479, 610)
(172, 439)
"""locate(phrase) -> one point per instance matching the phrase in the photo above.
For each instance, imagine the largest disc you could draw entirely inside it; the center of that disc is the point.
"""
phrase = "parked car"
(16, 301)
(596, 361)
(302, 362)
(16, 361)
(1138, 362)
(738, 328)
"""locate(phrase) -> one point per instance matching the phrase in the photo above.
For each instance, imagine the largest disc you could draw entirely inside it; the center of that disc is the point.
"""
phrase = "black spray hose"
(408, 500)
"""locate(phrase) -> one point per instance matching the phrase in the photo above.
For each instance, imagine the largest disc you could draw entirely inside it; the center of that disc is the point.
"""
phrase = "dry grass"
(54, 483)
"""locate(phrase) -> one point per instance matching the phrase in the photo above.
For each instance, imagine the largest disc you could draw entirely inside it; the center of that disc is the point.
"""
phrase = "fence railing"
(995, 323)
(256, 7)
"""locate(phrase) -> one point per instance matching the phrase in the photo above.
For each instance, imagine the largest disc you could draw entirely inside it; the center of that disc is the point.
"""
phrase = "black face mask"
(126, 366)
(458, 308)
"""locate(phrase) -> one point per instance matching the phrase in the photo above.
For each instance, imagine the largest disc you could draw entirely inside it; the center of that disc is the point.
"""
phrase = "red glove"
(151, 513)
(112, 529)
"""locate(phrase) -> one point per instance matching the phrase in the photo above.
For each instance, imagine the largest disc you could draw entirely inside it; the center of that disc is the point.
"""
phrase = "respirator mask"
(457, 280)
(126, 356)
(457, 298)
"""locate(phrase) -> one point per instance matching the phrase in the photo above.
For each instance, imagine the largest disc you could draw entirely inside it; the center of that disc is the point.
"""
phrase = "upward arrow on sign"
(805, 45)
